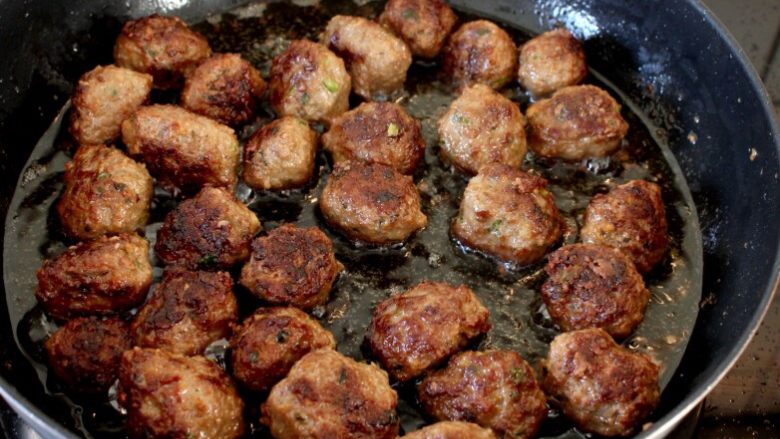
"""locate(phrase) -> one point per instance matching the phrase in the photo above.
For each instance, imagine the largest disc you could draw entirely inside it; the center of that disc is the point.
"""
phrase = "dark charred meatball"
(482, 127)
(327, 395)
(309, 81)
(85, 353)
(213, 230)
(372, 202)
(480, 52)
(280, 155)
(495, 389)
(575, 123)
(603, 387)
(163, 47)
(269, 342)
(551, 61)
(292, 266)
(452, 430)
(376, 59)
(423, 24)
(509, 214)
(106, 276)
(106, 96)
(412, 332)
(171, 395)
(631, 218)
(591, 286)
(187, 311)
(377, 132)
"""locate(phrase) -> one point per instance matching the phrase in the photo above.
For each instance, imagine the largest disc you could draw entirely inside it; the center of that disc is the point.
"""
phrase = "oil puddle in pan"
(372, 274)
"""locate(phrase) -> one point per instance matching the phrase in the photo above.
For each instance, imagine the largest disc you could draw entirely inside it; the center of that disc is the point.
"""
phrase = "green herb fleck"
(501, 81)
(482, 31)
(518, 375)
(343, 376)
(494, 226)
(114, 92)
(393, 130)
(282, 336)
(151, 52)
(207, 260)
(331, 85)
(410, 14)
(102, 175)
(305, 98)
(461, 119)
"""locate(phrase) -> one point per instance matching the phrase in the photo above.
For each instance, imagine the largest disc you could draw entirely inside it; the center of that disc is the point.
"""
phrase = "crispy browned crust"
(480, 52)
(551, 61)
(452, 430)
(423, 24)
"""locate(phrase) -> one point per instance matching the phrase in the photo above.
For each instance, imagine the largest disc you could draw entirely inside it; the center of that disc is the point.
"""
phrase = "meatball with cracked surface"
(423, 24)
(292, 266)
(212, 230)
(575, 123)
(482, 127)
(380, 132)
(508, 214)
(604, 388)
(631, 218)
(413, 332)
(376, 59)
(372, 202)
(328, 395)
(480, 52)
(108, 275)
(451, 430)
(551, 61)
(495, 389)
(172, 395)
(269, 342)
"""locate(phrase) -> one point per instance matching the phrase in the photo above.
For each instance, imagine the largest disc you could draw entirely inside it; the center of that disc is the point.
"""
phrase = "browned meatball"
(85, 353)
(495, 389)
(415, 331)
(105, 193)
(603, 387)
(480, 52)
(171, 395)
(377, 132)
(631, 218)
(423, 24)
(452, 430)
(292, 266)
(327, 395)
(509, 214)
(187, 311)
(577, 122)
(372, 202)
(551, 61)
(280, 155)
(591, 286)
(105, 96)
(213, 230)
(105, 276)
(164, 47)
(376, 59)
(309, 81)
(482, 127)
(269, 342)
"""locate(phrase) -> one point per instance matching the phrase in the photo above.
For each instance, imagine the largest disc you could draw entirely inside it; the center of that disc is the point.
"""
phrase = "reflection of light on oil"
(170, 5)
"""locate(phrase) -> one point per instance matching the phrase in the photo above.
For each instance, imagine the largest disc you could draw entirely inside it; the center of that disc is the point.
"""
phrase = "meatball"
(603, 387)
(309, 81)
(213, 230)
(280, 155)
(327, 395)
(551, 61)
(480, 52)
(380, 132)
(187, 311)
(575, 123)
(508, 214)
(106, 276)
(269, 342)
(105, 193)
(183, 150)
(495, 389)
(85, 353)
(225, 88)
(292, 266)
(163, 47)
(591, 286)
(631, 218)
(372, 202)
(415, 331)
(106, 96)
(452, 430)
(423, 24)
(171, 395)
(481, 127)
(376, 59)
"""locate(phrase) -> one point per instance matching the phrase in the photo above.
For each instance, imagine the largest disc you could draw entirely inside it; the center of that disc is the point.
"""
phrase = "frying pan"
(672, 58)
